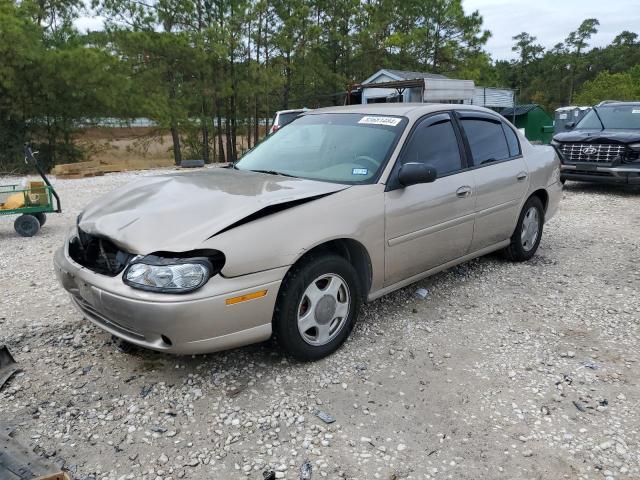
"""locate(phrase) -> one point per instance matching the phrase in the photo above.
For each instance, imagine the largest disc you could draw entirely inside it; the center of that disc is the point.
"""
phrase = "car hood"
(599, 136)
(178, 212)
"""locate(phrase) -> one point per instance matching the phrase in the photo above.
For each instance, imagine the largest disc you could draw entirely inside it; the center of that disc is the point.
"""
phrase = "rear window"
(486, 140)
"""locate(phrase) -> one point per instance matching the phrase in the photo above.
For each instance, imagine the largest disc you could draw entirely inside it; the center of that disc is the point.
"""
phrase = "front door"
(501, 176)
(429, 224)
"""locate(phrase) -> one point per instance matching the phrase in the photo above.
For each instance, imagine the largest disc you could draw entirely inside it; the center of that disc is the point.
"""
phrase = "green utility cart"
(32, 203)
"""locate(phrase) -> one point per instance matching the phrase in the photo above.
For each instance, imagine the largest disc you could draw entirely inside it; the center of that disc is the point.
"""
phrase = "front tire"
(526, 238)
(317, 307)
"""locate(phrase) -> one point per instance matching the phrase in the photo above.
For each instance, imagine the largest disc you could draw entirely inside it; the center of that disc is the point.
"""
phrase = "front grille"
(592, 152)
(594, 173)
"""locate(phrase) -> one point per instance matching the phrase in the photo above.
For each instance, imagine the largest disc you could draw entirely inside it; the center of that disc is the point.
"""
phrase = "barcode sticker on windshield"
(635, 110)
(389, 121)
(359, 171)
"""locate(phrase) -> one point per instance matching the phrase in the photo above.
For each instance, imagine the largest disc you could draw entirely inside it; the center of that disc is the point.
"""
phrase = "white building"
(388, 85)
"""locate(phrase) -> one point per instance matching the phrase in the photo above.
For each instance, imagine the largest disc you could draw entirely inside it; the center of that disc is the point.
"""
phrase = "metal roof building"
(389, 85)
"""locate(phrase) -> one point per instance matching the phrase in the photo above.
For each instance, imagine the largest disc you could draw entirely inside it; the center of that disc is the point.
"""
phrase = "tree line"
(212, 71)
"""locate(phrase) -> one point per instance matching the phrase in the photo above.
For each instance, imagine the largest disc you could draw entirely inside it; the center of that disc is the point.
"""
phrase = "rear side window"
(512, 140)
(487, 140)
(435, 144)
(287, 118)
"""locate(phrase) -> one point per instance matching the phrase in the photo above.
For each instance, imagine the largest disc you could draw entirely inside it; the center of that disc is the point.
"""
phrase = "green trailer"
(32, 203)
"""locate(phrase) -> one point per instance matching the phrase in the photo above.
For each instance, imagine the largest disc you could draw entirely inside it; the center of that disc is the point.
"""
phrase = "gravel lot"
(526, 371)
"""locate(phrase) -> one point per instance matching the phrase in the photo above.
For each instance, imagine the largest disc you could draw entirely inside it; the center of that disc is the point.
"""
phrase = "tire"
(42, 218)
(523, 246)
(26, 225)
(317, 290)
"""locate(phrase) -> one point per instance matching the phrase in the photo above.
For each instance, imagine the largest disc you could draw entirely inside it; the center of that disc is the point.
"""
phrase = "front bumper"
(589, 172)
(197, 322)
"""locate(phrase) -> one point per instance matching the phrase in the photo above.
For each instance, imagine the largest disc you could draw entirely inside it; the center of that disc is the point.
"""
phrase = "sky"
(548, 20)
(551, 20)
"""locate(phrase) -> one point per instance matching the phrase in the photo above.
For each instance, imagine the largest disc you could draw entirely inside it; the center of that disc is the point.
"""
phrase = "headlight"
(635, 146)
(555, 143)
(169, 275)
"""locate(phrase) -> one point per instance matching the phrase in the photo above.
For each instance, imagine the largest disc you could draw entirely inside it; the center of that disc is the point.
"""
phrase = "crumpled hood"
(599, 136)
(177, 212)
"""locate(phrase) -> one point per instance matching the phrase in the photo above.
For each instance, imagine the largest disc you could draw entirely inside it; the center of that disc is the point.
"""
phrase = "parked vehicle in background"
(343, 206)
(604, 146)
(285, 117)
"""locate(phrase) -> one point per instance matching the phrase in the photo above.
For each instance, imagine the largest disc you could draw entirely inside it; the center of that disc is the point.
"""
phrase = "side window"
(435, 144)
(512, 140)
(486, 140)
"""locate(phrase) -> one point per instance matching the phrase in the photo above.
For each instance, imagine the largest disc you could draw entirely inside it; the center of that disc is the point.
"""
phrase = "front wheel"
(528, 233)
(317, 307)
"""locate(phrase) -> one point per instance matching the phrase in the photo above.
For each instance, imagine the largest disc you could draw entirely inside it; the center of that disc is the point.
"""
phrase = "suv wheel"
(526, 238)
(317, 307)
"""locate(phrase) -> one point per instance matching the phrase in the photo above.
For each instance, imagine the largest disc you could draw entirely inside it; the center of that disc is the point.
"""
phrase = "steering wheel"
(365, 159)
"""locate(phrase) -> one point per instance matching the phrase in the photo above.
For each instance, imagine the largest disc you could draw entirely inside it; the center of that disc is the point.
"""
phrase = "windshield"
(618, 116)
(334, 147)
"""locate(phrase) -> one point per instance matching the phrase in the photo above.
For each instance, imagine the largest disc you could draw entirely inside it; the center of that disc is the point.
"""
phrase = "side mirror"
(414, 173)
(569, 125)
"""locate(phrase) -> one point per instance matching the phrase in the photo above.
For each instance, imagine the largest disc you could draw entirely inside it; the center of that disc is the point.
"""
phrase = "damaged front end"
(161, 272)
(98, 254)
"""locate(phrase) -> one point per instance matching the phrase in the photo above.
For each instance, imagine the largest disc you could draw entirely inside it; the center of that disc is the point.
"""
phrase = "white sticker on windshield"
(359, 171)
(389, 121)
(563, 116)
(635, 110)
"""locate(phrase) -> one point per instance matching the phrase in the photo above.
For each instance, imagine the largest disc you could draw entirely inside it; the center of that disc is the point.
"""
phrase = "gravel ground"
(504, 370)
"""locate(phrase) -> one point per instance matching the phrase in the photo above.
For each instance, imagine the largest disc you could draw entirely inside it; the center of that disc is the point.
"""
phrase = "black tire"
(26, 225)
(516, 251)
(42, 218)
(290, 298)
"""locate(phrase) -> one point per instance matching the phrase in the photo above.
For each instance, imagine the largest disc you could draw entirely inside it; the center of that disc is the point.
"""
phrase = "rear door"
(429, 224)
(500, 174)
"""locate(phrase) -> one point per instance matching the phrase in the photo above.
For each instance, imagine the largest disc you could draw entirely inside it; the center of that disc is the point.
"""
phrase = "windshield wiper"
(595, 110)
(272, 172)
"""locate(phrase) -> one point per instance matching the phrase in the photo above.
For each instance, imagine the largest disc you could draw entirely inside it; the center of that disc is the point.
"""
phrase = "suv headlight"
(170, 275)
(635, 146)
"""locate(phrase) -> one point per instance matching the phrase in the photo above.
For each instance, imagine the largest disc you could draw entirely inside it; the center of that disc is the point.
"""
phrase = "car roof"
(409, 110)
(616, 104)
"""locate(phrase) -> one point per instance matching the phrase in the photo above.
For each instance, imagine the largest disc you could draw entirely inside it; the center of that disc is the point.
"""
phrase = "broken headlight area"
(181, 274)
(98, 254)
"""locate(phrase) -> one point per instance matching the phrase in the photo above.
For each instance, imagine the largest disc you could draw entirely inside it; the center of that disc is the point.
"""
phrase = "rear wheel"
(26, 225)
(42, 218)
(528, 233)
(317, 307)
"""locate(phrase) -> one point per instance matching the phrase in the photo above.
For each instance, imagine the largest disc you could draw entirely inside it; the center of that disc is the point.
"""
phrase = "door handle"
(463, 192)
(522, 176)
